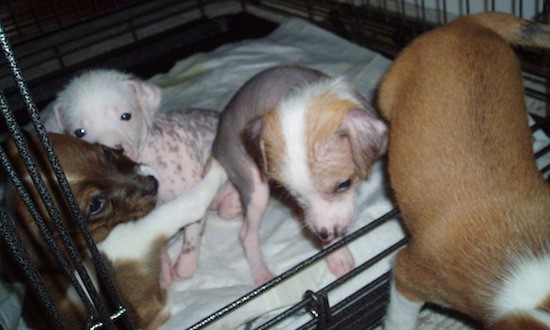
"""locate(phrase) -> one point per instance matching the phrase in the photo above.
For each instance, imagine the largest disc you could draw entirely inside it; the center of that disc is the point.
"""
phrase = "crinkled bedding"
(208, 80)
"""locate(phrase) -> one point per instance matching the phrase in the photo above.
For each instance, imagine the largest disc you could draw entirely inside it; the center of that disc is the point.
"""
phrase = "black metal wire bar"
(445, 18)
(361, 292)
(76, 11)
(423, 11)
(520, 9)
(96, 8)
(545, 169)
(56, 15)
(339, 281)
(345, 240)
(23, 148)
(37, 21)
(15, 19)
(27, 199)
(102, 272)
(369, 289)
(542, 151)
(367, 264)
(15, 246)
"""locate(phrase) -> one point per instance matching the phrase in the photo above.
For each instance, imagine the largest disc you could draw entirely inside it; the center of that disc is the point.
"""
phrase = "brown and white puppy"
(313, 135)
(116, 200)
(462, 168)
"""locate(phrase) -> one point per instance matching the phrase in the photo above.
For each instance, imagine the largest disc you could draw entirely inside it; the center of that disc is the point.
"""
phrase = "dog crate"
(45, 43)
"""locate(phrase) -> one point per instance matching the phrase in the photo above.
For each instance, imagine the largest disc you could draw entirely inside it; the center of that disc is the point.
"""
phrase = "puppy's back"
(455, 99)
(462, 167)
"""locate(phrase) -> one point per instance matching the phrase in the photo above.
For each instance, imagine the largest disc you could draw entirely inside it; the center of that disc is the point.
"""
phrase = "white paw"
(340, 261)
(216, 171)
(146, 170)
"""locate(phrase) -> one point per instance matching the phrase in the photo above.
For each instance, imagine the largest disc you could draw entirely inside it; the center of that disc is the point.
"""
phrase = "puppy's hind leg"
(402, 313)
(188, 260)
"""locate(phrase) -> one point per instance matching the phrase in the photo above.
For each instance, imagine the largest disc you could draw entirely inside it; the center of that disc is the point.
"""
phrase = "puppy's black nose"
(151, 186)
(323, 233)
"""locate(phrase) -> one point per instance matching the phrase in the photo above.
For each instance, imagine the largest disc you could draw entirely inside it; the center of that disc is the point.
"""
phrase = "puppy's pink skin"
(252, 146)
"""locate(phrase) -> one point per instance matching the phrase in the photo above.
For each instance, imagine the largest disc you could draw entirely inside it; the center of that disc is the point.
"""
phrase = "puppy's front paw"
(146, 170)
(215, 174)
(262, 276)
(340, 261)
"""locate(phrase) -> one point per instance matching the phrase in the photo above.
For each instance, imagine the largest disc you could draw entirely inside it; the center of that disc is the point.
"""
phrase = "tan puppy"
(116, 198)
(464, 175)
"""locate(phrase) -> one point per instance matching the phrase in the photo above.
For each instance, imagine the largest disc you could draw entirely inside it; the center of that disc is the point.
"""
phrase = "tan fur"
(519, 321)
(148, 302)
(324, 118)
(461, 163)
(273, 145)
(91, 170)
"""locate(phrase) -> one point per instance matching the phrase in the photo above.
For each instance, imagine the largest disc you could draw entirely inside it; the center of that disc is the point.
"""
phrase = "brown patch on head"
(324, 116)
(329, 152)
(273, 144)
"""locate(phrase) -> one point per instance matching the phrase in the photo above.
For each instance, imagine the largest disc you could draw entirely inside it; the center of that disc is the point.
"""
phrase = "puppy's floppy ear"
(54, 118)
(368, 136)
(147, 97)
(252, 137)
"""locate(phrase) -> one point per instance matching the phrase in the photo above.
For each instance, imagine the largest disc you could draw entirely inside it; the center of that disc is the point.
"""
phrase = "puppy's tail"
(514, 30)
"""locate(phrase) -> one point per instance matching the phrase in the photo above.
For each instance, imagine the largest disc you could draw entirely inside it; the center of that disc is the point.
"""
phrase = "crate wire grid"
(86, 291)
(346, 18)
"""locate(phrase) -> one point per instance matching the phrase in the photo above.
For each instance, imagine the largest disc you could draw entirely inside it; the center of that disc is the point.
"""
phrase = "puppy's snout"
(151, 186)
(327, 235)
(323, 234)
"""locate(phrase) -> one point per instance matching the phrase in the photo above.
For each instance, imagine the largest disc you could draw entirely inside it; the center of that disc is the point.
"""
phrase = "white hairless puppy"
(120, 111)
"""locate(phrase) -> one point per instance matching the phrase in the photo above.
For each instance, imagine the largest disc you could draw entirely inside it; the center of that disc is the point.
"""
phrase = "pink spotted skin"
(178, 146)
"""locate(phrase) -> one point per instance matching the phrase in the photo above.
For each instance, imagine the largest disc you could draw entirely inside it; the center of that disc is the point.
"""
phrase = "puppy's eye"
(79, 132)
(126, 116)
(96, 205)
(343, 186)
